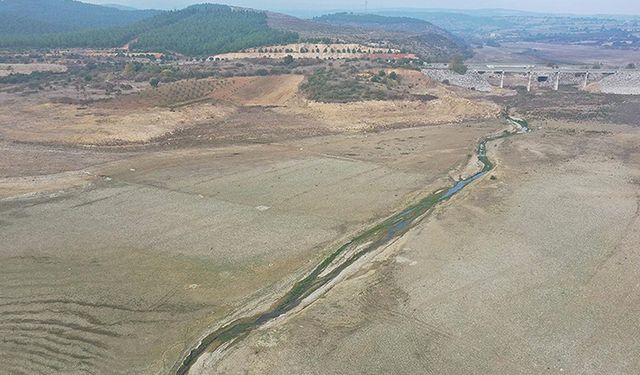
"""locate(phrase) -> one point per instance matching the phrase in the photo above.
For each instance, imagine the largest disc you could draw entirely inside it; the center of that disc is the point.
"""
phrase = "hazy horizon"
(586, 7)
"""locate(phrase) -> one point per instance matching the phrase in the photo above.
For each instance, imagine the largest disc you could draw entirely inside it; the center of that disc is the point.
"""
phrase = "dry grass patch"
(7, 69)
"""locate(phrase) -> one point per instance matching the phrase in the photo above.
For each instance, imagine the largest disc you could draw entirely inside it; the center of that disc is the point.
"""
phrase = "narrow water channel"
(332, 266)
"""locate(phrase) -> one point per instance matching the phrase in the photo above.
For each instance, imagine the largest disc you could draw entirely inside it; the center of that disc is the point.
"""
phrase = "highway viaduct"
(542, 73)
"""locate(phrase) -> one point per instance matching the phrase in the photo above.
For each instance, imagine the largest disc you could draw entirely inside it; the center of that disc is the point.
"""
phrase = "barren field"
(237, 109)
(132, 226)
(534, 271)
(118, 261)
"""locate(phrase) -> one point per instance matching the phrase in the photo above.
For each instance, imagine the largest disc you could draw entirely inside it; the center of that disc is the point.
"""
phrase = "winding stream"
(332, 266)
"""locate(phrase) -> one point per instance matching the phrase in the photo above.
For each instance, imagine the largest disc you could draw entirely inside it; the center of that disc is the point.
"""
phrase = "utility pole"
(366, 5)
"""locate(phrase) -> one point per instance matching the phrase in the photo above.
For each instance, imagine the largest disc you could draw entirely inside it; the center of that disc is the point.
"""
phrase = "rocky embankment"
(623, 83)
(469, 80)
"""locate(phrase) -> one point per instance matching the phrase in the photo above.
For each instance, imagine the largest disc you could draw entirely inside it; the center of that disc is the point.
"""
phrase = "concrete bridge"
(544, 72)
(539, 73)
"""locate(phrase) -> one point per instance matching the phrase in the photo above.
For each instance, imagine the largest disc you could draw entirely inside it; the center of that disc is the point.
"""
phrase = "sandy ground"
(232, 110)
(532, 272)
(386, 114)
(56, 123)
(121, 270)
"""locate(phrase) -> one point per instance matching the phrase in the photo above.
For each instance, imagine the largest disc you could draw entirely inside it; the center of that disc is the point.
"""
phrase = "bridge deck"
(524, 69)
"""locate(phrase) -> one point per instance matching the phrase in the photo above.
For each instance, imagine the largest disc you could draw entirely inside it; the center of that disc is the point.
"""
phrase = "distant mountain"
(47, 16)
(119, 6)
(210, 29)
(456, 22)
(206, 29)
(420, 36)
(479, 12)
(18, 24)
(198, 30)
(374, 21)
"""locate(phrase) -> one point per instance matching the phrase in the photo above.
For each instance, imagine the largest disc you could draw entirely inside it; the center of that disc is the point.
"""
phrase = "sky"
(627, 7)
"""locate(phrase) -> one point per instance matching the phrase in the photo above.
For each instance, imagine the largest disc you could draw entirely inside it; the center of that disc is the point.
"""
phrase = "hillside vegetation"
(196, 30)
(32, 17)
(330, 86)
(418, 36)
(209, 29)
(405, 24)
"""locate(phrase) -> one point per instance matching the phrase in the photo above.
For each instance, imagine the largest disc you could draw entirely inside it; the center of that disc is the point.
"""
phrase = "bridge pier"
(586, 80)
(541, 73)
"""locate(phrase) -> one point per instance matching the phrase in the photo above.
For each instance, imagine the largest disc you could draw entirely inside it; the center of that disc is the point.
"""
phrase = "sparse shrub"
(332, 86)
(288, 60)
(457, 65)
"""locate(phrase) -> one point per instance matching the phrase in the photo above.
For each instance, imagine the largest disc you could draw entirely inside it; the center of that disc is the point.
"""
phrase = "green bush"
(329, 86)
(457, 65)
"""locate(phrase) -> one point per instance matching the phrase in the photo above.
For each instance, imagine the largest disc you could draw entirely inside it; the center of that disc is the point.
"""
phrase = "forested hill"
(404, 24)
(210, 29)
(421, 37)
(49, 16)
(373, 21)
(198, 30)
